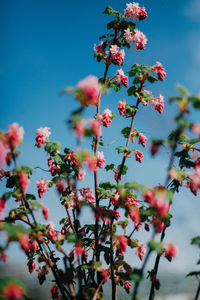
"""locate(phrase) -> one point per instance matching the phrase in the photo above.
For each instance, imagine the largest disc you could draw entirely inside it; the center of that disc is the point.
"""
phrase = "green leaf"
(122, 149)
(109, 167)
(151, 78)
(30, 197)
(12, 230)
(130, 109)
(107, 185)
(170, 195)
(68, 90)
(196, 241)
(182, 122)
(125, 131)
(131, 91)
(182, 90)
(111, 12)
(71, 238)
(52, 147)
(136, 275)
(124, 170)
(136, 186)
(156, 246)
(194, 273)
(11, 182)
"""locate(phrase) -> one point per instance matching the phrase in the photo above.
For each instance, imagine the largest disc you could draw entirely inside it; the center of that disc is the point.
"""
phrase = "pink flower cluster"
(100, 159)
(158, 200)
(196, 129)
(42, 186)
(160, 71)
(141, 250)
(120, 78)
(117, 55)
(122, 107)
(194, 183)
(158, 103)
(99, 49)
(138, 156)
(23, 181)
(170, 251)
(96, 127)
(134, 12)
(88, 90)
(15, 135)
(142, 139)
(105, 118)
(13, 291)
(87, 194)
(138, 37)
(43, 134)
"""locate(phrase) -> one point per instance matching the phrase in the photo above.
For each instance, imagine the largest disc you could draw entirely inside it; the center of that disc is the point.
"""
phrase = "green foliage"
(109, 167)
(125, 131)
(122, 149)
(156, 246)
(196, 241)
(182, 90)
(107, 185)
(136, 186)
(111, 12)
(13, 230)
(53, 147)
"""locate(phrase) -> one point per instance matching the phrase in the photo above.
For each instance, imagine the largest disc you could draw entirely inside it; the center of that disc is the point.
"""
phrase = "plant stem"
(198, 292)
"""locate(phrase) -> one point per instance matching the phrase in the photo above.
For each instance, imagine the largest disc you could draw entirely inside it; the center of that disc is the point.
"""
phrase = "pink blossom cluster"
(158, 200)
(42, 186)
(100, 159)
(138, 37)
(15, 135)
(142, 139)
(158, 103)
(43, 134)
(105, 118)
(88, 90)
(141, 250)
(23, 181)
(122, 243)
(96, 127)
(138, 156)
(194, 180)
(170, 251)
(196, 129)
(13, 291)
(120, 78)
(134, 11)
(117, 55)
(87, 194)
(45, 211)
(115, 199)
(160, 71)
(127, 286)
(60, 186)
(122, 107)
(81, 174)
(99, 49)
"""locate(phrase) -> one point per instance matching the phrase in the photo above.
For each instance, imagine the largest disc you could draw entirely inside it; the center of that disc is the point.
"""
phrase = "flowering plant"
(94, 253)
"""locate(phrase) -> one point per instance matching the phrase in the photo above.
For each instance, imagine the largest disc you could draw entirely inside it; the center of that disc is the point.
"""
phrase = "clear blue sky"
(47, 45)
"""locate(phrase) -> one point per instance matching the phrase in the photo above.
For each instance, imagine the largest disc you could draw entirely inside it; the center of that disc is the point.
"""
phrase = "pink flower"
(100, 159)
(2, 204)
(42, 186)
(161, 204)
(23, 181)
(41, 274)
(142, 139)
(134, 12)
(71, 156)
(154, 148)
(129, 36)
(3, 150)
(120, 78)
(106, 117)
(15, 135)
(149, 196)
(141, 250)
(127, 286)
(194, 182)
(79, 128)
(158, 104)
(160, 71)
(115, 199)
(45, 211)
(13, 291)
(99, 49)
(34, 246)
(138, 156)
(3, 257)
(135, 215)
(60, 186)
(196, 129)
(116, 215)
(54, 169)
(88, 90)
(140, 39)
(170, 251)
(123, 242)
(91, 162)
(117, 55)
(52, 234)
(31, 266)
(96, 127)
(79, 250)
(43, 134)
(24, 241)
(105, 274)
(88, 195)
(54, 291)
(132, 201)
(81, 175)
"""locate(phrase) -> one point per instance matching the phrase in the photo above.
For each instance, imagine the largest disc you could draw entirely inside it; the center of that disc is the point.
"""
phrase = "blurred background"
(48, 45)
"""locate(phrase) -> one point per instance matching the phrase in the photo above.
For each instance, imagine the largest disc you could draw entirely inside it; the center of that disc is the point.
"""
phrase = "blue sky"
(48, 45)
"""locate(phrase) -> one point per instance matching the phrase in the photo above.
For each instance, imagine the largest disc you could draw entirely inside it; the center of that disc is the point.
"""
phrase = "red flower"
(23, 181)
(123, 242)
(13, 291)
